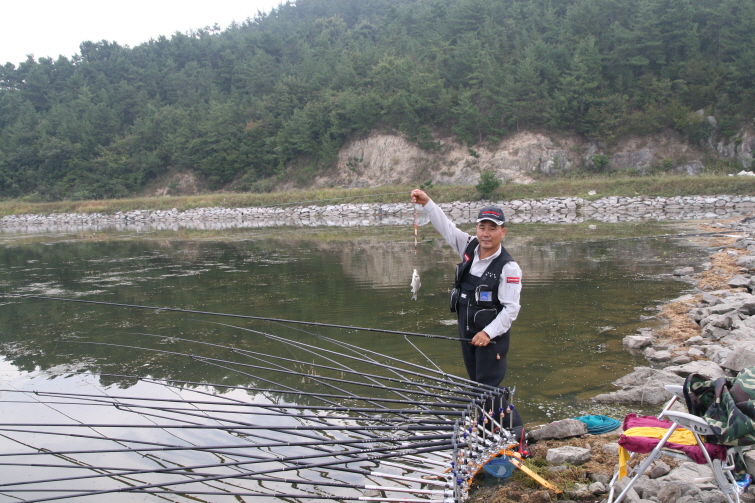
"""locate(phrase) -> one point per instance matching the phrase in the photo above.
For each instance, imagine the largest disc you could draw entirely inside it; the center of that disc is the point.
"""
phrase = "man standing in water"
(486, 290)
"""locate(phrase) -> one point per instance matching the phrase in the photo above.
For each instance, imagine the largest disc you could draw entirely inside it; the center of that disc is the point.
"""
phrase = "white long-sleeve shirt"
(510, 284)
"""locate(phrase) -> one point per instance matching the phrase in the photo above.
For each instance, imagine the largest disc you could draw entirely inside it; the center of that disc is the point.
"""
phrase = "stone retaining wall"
(550, 210)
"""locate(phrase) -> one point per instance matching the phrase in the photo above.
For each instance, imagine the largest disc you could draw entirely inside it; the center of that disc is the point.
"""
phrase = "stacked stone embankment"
(549, 210)
(713, 336)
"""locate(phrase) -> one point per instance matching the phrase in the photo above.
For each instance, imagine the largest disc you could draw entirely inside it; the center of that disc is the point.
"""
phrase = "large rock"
(568, 454)
(687, 472)
(737, 360)
(741, 334)
(747, 261)
(714, 333)
(706, 369)
(684, 271)
(748, 308)
(723, 308)
(564, 428)
(750, 462)
(669, 493)
(739, 281)
(637, 341)
(645, 386)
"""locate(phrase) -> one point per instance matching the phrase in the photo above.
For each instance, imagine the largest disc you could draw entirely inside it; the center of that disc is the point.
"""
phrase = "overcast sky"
(48, 28)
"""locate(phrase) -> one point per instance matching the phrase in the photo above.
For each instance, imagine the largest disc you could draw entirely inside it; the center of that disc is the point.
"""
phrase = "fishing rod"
(162, 470)
(247, 317)
(211, 361)
(138, 471)
(246, 388)
(276, 406)
(461, 381)
(468, 383)
(283, 495)
(336, 362)
(291, 372)
(368, 458)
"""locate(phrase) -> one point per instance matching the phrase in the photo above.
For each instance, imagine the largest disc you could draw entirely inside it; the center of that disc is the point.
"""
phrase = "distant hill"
(286, 90)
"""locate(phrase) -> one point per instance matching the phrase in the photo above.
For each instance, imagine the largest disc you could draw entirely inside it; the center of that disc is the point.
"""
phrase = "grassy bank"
(563, 187)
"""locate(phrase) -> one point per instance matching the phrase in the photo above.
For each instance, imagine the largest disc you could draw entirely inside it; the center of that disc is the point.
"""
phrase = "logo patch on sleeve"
(513, 280)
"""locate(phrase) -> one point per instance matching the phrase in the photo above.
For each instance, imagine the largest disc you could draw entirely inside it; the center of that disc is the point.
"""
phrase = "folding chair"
(722, 469)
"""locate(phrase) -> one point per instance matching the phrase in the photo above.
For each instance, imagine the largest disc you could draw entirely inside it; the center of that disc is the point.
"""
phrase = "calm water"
(583, 291)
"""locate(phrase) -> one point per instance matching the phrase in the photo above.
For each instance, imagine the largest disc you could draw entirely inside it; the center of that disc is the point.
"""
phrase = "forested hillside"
(293, 85)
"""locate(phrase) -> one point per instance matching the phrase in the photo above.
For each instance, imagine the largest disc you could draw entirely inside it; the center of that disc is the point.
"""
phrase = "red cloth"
(644, 445)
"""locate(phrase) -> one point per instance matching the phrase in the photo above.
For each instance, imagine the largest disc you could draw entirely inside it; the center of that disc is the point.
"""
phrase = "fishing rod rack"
(286, 420)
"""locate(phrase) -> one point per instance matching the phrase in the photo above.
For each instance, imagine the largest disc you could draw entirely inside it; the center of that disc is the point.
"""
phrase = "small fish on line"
(415, 284)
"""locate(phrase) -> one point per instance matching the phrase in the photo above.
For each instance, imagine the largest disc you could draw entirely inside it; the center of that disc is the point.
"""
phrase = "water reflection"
(583, 291)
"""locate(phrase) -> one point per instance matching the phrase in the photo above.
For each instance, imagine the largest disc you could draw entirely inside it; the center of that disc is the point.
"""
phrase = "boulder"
(747, 308)
(741, 334)
(684, 271)
(564, 428)
(646, 488)
(737, 360)
(714, 333)
(611, 448)
(637, 341)
(723, 308)
(659, 356)
(699, 313)
(658, 469)
(597, 488)
(632, 495)
(669, 493)
(707, 369)
(747, 261)
(568, 454)
(725, 321)
(687, 472)
(645, 385)
(739, 281)
(750, 462)
(711, 299)
(695, 339)
(695, 352)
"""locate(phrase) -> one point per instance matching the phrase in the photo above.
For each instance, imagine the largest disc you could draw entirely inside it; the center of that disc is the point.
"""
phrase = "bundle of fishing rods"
(358, 426)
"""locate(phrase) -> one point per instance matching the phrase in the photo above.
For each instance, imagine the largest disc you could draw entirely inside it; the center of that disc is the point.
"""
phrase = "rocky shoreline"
(549, 210)
(710, 332)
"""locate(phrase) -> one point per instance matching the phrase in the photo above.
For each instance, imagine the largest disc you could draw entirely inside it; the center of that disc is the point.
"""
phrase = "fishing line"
(172, 309)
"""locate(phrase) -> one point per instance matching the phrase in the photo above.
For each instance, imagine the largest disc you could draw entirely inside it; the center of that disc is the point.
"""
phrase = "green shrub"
(488, 184)
(600, 162)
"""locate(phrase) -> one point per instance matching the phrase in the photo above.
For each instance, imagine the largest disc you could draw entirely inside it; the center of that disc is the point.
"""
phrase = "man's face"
(490, 235)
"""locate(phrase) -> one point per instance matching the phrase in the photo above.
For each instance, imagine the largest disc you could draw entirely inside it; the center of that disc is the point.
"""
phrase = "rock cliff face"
(383, 159)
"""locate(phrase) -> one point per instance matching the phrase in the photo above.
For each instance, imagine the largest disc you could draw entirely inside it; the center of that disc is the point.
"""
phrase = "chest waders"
(474, 299)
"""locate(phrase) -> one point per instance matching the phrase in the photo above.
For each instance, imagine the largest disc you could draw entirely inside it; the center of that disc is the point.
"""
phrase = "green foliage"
(290, 87)
(488, 184)
(426, 185)
(600, 162)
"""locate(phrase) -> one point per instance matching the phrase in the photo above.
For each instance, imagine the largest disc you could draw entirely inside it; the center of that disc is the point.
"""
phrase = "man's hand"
(480, 339)
(419, 197)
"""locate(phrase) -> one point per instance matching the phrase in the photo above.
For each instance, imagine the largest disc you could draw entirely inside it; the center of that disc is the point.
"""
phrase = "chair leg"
(652, 456)
(722, 474)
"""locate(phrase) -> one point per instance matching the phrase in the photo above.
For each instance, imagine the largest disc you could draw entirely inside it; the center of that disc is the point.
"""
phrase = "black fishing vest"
(475, 298)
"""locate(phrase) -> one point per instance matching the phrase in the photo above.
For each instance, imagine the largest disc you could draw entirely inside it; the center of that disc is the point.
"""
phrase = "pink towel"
(644, 445)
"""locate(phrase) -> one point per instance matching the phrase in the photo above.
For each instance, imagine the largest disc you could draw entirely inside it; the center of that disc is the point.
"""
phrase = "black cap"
(492, 213)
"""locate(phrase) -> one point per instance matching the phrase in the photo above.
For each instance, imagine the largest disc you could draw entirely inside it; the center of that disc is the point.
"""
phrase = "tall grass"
(664, 186)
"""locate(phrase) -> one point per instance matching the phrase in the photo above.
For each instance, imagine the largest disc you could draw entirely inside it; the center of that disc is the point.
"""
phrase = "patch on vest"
(512, 280)
(466, 258)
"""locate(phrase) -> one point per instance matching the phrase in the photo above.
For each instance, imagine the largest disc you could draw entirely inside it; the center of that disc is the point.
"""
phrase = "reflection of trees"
(350, 282)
